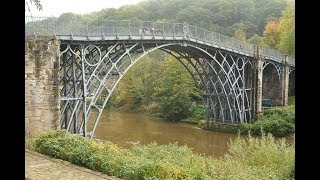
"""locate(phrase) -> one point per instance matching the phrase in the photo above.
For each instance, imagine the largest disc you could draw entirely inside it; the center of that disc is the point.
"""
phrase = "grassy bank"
(291, 100)
(263, 158)
(279, 121)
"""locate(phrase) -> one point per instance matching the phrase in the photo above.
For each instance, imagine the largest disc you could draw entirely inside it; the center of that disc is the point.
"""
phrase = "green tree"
(281, 34)
(196, 16)
(174, 91)
(287, 28)
(135, 90)
(255, 39)
(267, 10)
(271, 34)
(240, 33)
(222, 16)
(157, 84)
(131, 12)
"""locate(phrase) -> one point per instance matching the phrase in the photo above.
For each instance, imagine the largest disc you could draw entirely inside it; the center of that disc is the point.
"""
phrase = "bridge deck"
(123, 30)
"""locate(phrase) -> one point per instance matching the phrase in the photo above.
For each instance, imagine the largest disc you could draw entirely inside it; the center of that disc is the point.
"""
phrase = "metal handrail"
(35, 25)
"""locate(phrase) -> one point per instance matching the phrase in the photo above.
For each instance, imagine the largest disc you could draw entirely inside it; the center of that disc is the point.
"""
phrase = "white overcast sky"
(58, 7)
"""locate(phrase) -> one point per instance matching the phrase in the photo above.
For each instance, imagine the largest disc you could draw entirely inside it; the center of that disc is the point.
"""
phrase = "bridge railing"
(291, 61)
(39, 25)
(76, 27)
(219, 39)
(272, 54)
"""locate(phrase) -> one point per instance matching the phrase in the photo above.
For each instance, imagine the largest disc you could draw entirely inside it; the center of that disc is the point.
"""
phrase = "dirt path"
(39, 166)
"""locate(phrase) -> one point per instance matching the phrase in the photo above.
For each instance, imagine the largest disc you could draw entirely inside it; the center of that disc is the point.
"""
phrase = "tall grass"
(252, 158)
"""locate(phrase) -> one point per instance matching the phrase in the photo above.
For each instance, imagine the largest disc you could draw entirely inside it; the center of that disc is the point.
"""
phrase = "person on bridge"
(241, 46)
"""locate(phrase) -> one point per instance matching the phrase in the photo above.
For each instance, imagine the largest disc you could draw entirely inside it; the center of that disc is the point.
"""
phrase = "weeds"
(252, 158)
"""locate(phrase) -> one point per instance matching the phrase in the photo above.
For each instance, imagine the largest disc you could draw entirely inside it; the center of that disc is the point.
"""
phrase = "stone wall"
(271, 87)
(42, 96)
(292, 84)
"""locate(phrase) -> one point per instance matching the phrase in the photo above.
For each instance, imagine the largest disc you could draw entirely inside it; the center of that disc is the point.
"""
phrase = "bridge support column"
(42, 94)
(285, 79)
(257, 82)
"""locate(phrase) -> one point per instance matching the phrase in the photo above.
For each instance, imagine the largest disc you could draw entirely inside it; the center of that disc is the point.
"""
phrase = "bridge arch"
(221, 79)
(229, 72)
(292, 76)
(271, 86)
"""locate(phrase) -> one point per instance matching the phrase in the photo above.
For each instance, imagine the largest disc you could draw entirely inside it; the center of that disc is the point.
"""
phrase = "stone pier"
(257, 82)
(285, 80)
(42, 96)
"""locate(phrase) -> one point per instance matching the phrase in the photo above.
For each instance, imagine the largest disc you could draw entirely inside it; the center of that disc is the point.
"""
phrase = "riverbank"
(279, 121)
(254, 158)
(39, 166)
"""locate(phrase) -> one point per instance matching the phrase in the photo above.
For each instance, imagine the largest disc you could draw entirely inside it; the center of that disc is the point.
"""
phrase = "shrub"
(278, 156)
(286, 113)
(196, 112)
(252, 158)
(279, 121)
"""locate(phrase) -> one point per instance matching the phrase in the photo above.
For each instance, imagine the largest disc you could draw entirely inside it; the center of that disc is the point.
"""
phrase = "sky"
(57, 7)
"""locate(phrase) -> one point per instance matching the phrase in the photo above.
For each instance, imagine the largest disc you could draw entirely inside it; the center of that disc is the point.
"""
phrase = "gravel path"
(39, 166)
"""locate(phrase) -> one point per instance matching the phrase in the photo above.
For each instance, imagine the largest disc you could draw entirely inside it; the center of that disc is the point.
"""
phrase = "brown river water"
(128, 129)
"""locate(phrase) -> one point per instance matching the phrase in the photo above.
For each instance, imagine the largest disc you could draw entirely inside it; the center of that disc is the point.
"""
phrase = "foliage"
(267, 10)
(264, 152)
(255, 39)
(174, 91)
(280, 34)
(276, 127)
(197, 16)
(223, 16)
(162, 87)
(135, 91)
(131, 12)
(240, 33)
(287, 26)
(271, 34)
(286, 113)
(196, 111)
(218, 15)
(278, 121)
(254, 158)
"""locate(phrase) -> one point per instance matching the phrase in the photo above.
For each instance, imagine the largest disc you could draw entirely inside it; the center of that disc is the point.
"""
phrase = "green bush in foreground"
(254, 158)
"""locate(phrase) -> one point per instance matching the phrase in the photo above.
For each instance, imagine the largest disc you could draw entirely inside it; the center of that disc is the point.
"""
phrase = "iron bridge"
(94, 58)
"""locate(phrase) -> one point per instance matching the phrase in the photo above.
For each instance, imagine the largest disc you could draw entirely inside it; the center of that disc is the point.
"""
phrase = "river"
(127, 129)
